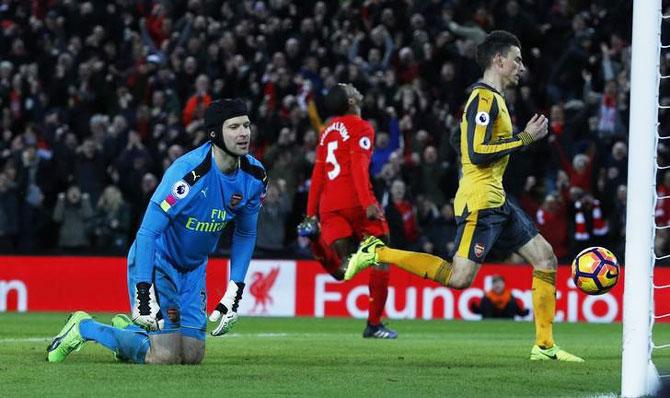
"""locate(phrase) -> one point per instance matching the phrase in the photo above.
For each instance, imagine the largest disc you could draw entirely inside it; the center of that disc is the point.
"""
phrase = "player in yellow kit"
(485, 218)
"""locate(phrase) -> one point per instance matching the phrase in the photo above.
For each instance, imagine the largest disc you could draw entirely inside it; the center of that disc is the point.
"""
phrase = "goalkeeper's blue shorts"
(182, 297)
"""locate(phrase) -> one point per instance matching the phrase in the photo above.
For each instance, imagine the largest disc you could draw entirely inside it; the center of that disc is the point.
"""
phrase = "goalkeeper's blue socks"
(131, 345)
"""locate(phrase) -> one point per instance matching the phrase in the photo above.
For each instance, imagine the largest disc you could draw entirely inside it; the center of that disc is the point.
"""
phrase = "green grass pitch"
(268, 357)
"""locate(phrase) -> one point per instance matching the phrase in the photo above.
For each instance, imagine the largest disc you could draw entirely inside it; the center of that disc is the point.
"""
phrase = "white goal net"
(638, 373)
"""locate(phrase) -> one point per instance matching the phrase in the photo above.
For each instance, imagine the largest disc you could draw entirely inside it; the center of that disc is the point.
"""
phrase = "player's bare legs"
(463, 272)
(192, 350)
(539, 253)
(165, 349)
(173, 348)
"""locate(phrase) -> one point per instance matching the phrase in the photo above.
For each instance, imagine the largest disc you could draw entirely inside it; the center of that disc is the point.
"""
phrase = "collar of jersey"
(231, 177)
(482, 84)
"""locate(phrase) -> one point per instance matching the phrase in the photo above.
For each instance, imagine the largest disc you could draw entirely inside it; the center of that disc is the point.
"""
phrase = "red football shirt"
(340, 178)
(409, 226)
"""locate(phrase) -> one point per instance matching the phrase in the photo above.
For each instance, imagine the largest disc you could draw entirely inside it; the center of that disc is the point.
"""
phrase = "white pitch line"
(279, 335)
(12, 340)
(25, 340)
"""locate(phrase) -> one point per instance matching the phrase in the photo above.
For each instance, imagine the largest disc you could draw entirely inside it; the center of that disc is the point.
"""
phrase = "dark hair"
(337, 100)
(498, 41)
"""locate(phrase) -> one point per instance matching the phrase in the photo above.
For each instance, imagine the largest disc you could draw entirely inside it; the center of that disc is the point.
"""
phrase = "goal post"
(638, 376)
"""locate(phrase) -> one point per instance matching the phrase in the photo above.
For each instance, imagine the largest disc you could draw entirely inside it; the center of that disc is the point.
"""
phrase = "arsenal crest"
(173, 314)
(235, 199)
(479, 249)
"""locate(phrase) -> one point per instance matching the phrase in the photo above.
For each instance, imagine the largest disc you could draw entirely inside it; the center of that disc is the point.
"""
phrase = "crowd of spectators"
(98, 98)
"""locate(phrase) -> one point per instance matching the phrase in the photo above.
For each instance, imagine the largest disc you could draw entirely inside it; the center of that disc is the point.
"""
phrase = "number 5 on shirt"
(330, 158)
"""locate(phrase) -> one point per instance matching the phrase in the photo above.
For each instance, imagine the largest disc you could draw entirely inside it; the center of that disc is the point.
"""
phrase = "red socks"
(378, 285)
(325, 255)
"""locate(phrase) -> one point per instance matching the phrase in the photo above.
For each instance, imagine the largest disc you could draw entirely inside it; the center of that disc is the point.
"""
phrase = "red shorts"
(343, 223)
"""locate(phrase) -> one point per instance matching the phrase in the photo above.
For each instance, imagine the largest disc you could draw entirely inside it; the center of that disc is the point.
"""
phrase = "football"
(595, 270)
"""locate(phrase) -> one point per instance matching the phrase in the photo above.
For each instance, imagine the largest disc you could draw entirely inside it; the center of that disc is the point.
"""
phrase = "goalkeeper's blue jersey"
(200, 201)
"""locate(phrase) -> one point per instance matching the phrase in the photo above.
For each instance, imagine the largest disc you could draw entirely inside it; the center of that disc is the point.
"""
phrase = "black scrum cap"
(221, 110)
(218, 112)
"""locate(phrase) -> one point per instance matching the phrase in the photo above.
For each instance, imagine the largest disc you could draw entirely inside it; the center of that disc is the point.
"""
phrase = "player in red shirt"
(341, 202)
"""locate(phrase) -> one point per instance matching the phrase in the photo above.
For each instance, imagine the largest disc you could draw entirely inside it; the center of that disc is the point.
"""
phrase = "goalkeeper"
(200, 193)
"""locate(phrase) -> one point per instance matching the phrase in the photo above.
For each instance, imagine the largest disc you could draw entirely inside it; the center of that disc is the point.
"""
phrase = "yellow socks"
(544, 307)
(421, 264)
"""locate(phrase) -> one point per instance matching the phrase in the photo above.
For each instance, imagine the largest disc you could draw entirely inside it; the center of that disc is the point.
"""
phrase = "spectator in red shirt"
(401, 217)
(552, 222)
(580, 170)
(529, 199)
(408, 68)
(198, 102)
(156, 24)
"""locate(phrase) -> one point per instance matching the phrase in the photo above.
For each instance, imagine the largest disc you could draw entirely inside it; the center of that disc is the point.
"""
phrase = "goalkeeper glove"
(226, 310)
(309, 227)
(146, 312)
